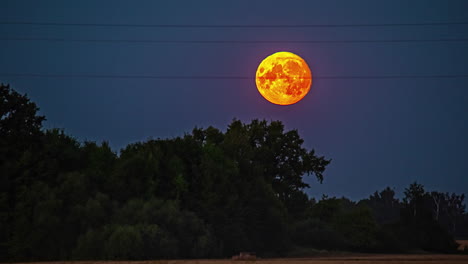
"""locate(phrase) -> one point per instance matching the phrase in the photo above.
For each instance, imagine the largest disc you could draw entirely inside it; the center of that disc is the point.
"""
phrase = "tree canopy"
(209, 193)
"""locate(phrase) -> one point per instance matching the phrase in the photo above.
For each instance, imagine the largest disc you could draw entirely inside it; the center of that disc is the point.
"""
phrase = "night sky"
(379, 132)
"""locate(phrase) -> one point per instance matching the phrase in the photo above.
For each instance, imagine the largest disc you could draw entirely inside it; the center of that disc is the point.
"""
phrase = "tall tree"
(414, 198)
(385, 207)
(20, 130)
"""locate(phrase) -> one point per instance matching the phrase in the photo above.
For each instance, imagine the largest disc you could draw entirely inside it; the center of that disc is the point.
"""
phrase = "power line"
(148, 41)
(32, 23)
(217, 77)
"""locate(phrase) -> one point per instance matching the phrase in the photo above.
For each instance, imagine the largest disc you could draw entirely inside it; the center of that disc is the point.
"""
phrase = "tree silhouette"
(20, 129)
(210, 193)
(384, 205)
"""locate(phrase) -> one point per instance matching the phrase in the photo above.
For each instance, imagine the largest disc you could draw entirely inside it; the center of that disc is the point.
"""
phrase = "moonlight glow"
(283, 78)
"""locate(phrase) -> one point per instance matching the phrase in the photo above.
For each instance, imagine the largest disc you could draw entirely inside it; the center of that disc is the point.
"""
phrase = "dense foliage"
(207, 194)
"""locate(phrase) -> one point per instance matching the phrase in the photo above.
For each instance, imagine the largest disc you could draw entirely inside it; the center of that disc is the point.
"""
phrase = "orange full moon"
(283, 78)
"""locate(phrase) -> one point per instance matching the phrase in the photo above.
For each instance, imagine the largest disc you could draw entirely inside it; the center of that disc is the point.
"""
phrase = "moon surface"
(283, 78)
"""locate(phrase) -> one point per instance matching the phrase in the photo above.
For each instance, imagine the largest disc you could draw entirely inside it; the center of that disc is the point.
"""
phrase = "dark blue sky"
(382, 132)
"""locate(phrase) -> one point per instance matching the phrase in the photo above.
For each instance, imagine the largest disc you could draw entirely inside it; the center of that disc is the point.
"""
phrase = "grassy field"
(352, 259)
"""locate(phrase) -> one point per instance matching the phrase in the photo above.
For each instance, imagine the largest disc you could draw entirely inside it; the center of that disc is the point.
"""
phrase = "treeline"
(207, 194)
